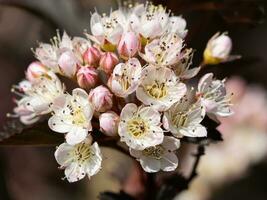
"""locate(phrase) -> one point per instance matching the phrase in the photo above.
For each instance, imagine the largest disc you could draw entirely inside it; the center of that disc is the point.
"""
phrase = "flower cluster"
(131, 82)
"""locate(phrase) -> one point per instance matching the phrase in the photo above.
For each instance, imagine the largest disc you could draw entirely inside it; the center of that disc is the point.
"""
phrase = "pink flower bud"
(87, 77)
(108, 122)
(129, 45)
(108, 61)
(101, 98)
(35, 70)
(91, 56)
(68, 63)
(218, 49)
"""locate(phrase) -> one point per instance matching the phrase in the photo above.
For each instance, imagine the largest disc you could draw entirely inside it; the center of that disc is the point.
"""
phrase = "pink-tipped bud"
(35, 70)
(101, 98)
(68, 63)
(129, 45)
(108, 61)
(108, 122)
(92, 56)
(87, 77)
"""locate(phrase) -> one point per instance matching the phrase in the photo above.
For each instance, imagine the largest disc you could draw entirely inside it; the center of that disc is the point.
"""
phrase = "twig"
(150, 186)
(200, 152)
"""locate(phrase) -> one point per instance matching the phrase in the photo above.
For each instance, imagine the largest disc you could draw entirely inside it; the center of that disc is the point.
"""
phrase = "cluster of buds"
(132, 75)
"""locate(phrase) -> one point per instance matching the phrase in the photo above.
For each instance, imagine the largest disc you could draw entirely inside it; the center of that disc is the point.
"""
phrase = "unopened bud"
(218, 49)
(101, 98)
(129, 45)
(108, 122)
(87, 77)
(35, 70)
(108, 61)
(68, 63)
(91, 56)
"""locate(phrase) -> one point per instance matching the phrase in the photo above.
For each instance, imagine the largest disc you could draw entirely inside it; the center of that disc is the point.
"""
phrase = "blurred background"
(234, 169)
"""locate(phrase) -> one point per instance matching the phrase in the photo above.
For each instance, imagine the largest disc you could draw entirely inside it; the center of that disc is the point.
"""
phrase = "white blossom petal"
(169, 162)
(58, 124)
(150, 165)
(76, 135)
(62, 154)
(74, 172)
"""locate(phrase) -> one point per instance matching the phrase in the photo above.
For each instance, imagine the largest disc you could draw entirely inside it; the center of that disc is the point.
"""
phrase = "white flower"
(177, 25)
(63, 54)
(164, 51)
(43, 95)
(24, 85)
(25, 115)
(74, 118)
(139, 127)
(182, 70)
(218, 49)
(106, 28)
(160, 88)
(184, 117)
(213, 96)
(48, 54)
(79, 160)
(80, 45)
(35, 70)
(125, 77)
(149, 21)
(159, 157)
(21, 111)
(64, 41)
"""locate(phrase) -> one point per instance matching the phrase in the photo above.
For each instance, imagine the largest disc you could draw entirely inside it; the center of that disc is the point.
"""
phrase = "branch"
(200, 152)
(16, 134)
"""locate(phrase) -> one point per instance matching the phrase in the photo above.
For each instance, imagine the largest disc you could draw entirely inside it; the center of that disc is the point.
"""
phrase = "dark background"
(30, 172)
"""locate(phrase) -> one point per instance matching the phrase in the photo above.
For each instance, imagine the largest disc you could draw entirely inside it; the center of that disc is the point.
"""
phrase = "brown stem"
(200, 152)
(202, 64)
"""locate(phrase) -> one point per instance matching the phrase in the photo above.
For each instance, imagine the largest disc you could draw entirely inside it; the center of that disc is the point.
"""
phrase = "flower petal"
(135, 153)
(194, 131)
(75, 172)
(169, 162)
(128, 111)
(57, 124)
(62, 154)
(171, 143)
(76, 135)
(94, 164)
(150, 165)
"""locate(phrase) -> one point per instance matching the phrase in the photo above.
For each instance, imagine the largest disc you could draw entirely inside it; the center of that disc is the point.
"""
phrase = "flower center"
(180, 119)
(82, 152)
(78, 117)
(155, 152)
(152, 11)
(157, 90)
(137, 127)
(46, 89)
(214, 91)
(125, 83)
